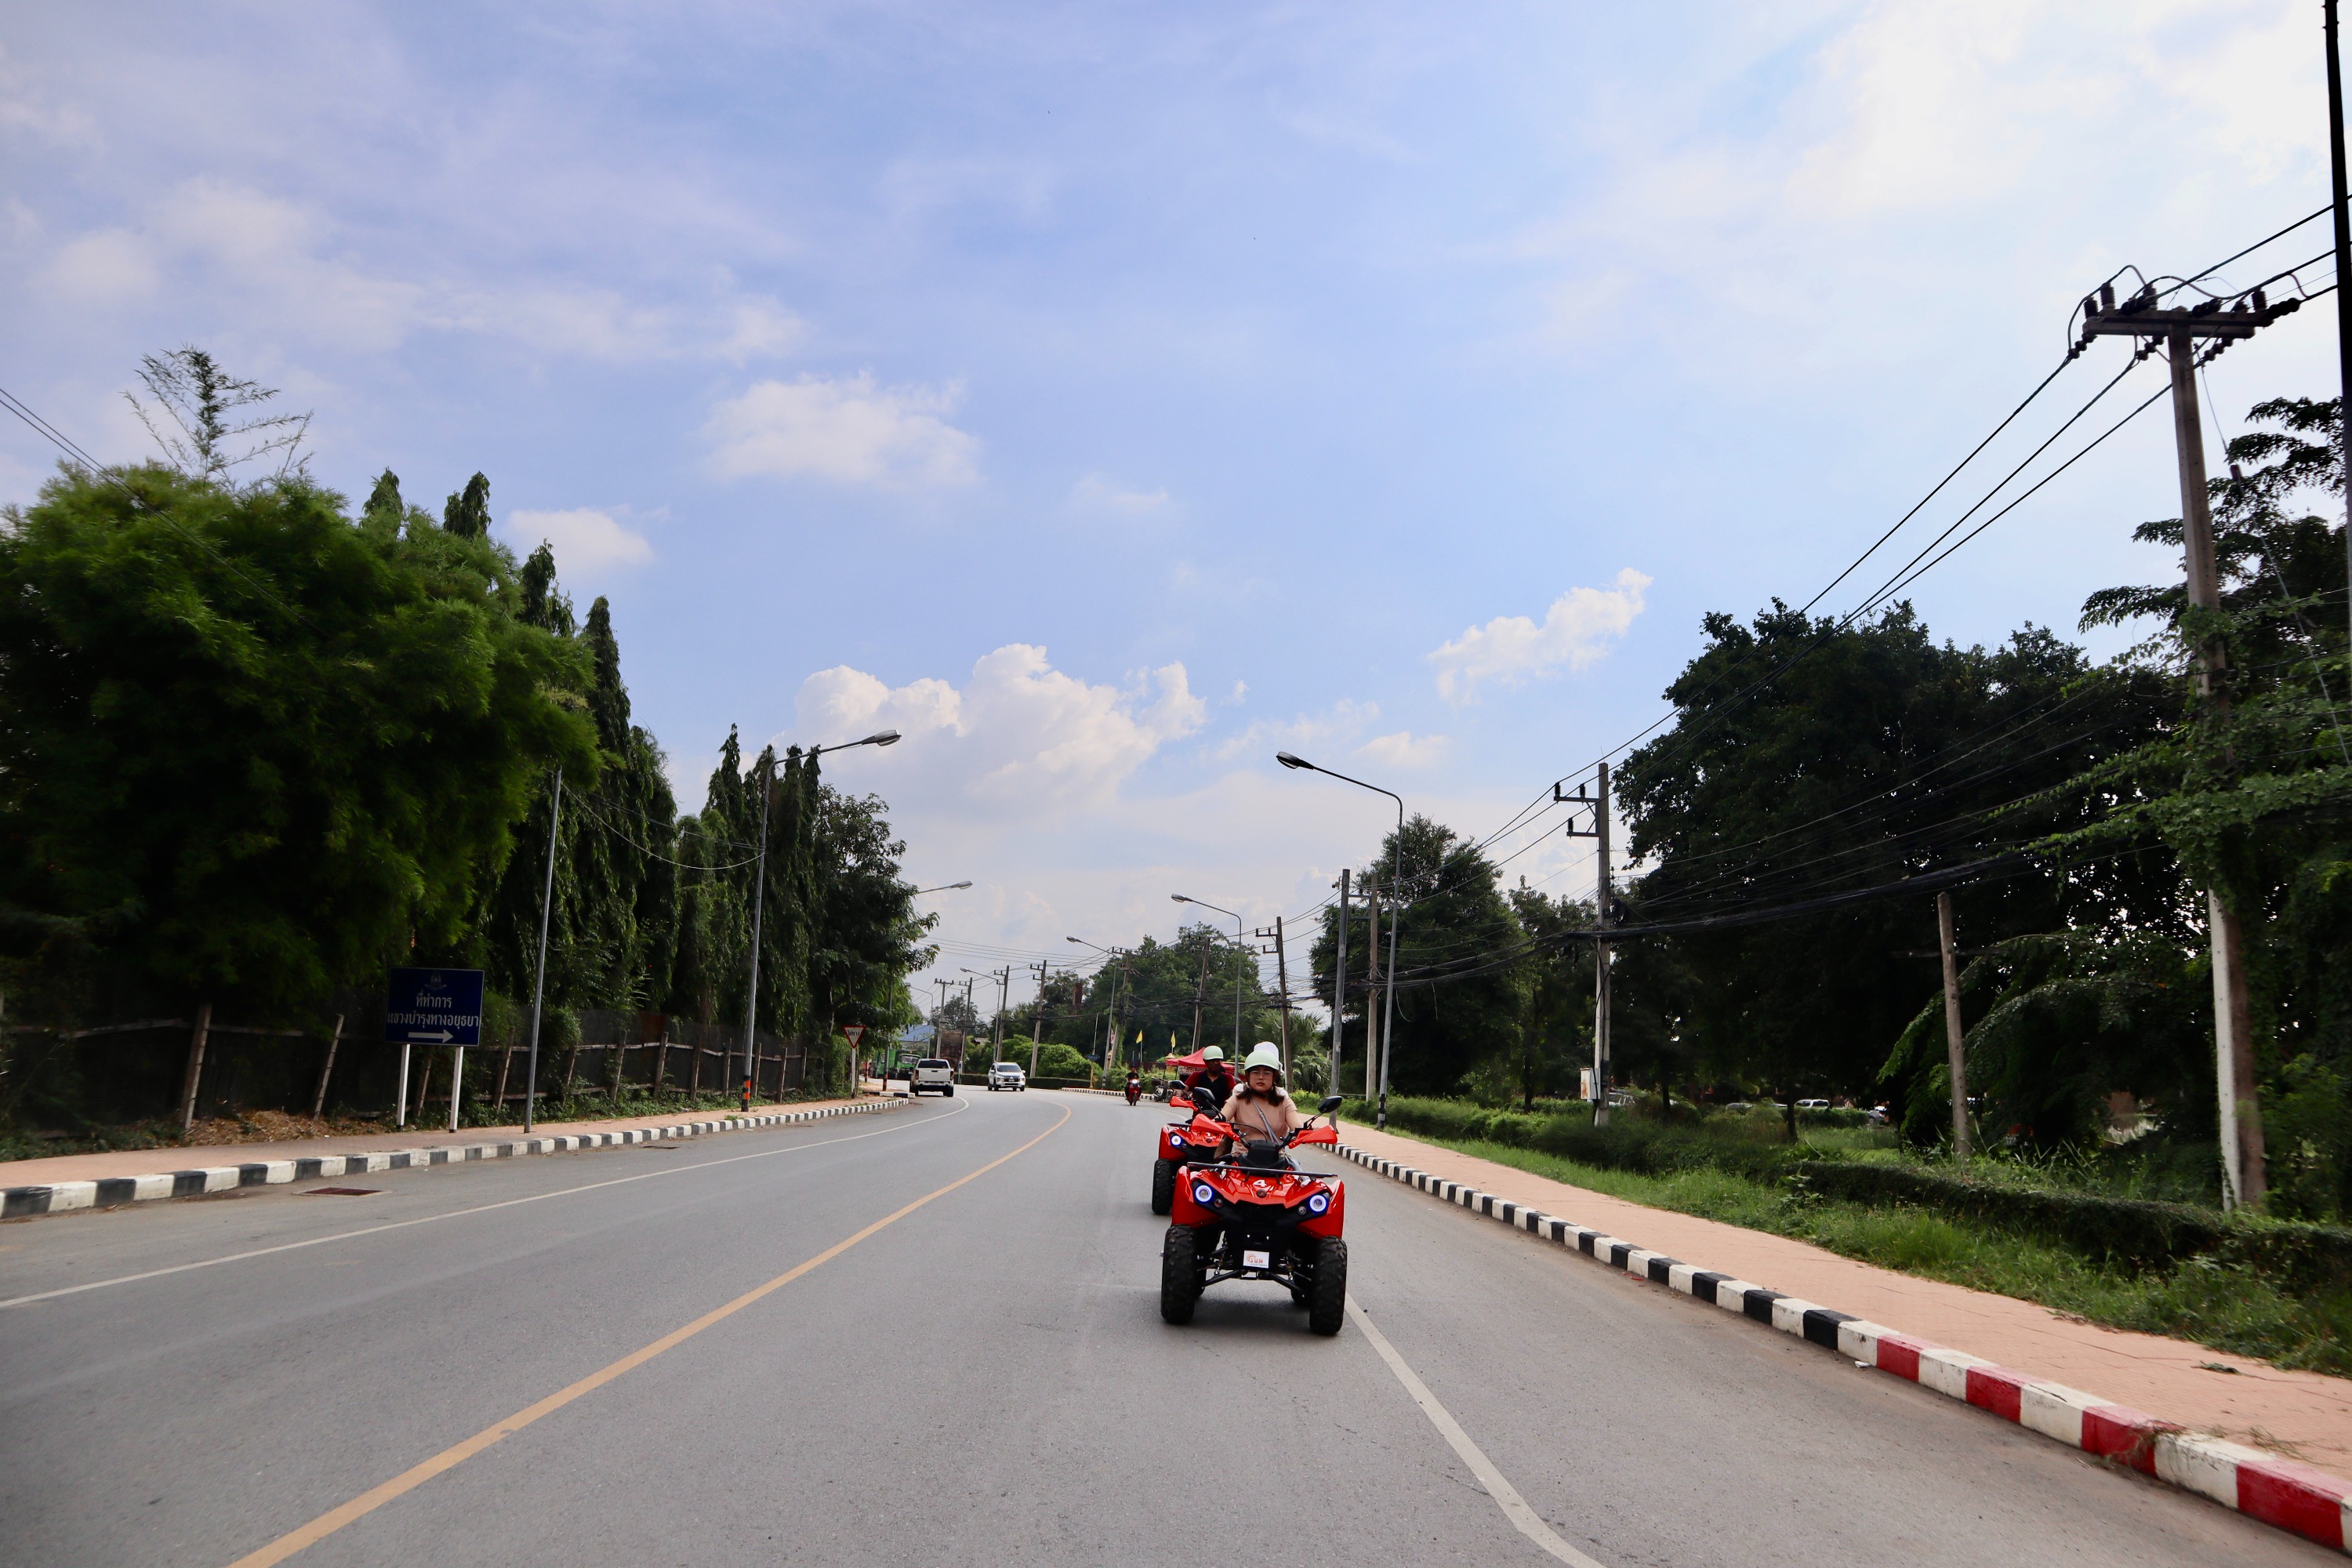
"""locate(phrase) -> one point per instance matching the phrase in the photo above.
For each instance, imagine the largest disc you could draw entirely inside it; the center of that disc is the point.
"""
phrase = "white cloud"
(762, 327)
(1576, 630)
(1342, 720)
(104, 268)
(584, 540)
(1101, 493)
(1020, 739)
(1404, 749)
(852, 432)
(235, 243)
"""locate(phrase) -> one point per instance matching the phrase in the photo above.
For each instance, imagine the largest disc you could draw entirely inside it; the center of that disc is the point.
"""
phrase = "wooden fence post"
(195, 1067)
(319, 1103)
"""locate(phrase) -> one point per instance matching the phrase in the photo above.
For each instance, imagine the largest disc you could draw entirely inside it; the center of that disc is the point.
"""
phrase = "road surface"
(932, 1336)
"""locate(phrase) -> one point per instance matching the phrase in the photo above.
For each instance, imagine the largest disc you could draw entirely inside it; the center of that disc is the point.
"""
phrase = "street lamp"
(1118, 1031)
(1396, 897)
(759, 898)
(1237, 974)
(942, 887)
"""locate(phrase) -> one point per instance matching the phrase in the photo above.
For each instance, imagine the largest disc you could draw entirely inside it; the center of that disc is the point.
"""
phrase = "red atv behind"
(1198, 1137)
(1259, 1218)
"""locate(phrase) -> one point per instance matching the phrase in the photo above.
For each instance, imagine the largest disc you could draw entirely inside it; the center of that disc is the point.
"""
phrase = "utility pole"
(2343, 264)
(1282, 980)
(1340, 997)
(2244, 1180)
(1958, 1065)
(759, 900)
(1037, 1032)
(538, 979)
(1201, 994)
(1603, 910)
(1376, 1055)
(1003, 989)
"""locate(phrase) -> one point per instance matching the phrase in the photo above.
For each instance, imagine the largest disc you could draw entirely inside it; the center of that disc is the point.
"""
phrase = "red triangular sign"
(855, 1032)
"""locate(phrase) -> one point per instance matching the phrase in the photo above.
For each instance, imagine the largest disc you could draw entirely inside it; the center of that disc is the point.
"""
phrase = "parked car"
(932, 1075)
(1006, 1074)
(1812, 1105)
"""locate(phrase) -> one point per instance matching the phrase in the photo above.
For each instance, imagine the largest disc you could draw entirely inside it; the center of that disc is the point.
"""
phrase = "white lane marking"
(1529, 1522)
(461, 1214)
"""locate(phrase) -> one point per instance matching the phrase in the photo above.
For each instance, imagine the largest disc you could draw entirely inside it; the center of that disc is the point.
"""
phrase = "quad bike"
(1258, 1217)
(1200, 1136)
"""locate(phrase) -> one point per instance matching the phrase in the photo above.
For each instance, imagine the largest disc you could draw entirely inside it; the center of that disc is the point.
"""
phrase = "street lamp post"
(1118, 1032)
(759, 898)
(1237, 974)
(1396, 901)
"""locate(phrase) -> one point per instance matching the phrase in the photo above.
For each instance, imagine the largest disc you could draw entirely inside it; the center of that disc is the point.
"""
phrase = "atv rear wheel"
(1327, 1298)
(1180, 1274)
(1163, 1186)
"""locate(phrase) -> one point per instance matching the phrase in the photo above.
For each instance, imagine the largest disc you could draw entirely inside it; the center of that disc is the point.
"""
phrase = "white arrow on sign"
(443, 1035)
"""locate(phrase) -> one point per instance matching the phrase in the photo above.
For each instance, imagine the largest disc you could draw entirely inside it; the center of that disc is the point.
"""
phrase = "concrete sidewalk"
(52, 1170)
(2298, 1415)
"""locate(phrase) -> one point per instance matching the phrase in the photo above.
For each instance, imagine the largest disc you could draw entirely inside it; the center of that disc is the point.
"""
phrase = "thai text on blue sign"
(434, 1007)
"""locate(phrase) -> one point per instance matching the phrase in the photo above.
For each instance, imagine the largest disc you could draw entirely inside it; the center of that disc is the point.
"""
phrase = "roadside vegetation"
(258, 744)
(2089, 1237)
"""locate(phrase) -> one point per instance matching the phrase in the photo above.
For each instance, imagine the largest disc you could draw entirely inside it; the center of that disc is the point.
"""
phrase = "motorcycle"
(1134, 1090)
(1260, 1218)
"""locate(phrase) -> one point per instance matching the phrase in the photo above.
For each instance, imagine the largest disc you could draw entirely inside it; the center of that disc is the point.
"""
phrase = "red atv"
(1199, 1137)
(1258, 1217)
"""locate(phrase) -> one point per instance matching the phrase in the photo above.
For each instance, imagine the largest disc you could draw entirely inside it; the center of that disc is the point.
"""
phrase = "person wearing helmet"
(1213, 1075)
(1259, 1109)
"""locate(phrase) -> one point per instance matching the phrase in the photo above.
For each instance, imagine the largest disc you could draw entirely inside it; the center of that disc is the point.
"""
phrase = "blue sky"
(1109, 396)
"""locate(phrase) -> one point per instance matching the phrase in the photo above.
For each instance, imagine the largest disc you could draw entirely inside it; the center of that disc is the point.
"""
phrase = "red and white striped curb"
(115, 1191)
(2310, 1502)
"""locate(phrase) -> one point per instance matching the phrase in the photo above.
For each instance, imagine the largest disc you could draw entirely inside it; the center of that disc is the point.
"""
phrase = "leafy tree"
(1457, 996)
(1555, 1023)
(247, 746)
(195, 418)
(2252, 788)
(1811, 757)
(466, 513)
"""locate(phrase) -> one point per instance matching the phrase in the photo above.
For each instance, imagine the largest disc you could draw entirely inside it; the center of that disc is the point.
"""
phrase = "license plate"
(1258, 1259)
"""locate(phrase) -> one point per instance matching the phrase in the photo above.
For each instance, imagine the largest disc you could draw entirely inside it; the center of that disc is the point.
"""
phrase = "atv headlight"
(1318, 1203)
(1175, 1141)
(1204, 1193)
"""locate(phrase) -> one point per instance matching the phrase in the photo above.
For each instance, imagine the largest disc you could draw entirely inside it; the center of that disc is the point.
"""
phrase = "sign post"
(436, 1007)
(854, 1034)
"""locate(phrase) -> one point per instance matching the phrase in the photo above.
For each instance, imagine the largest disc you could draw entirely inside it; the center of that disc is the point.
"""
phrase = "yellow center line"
(449, 1458)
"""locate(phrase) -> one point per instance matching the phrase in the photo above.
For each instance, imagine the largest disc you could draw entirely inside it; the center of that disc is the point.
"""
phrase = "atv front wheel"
(1179, 1275)
(1327, 1298)
(1163, 1186)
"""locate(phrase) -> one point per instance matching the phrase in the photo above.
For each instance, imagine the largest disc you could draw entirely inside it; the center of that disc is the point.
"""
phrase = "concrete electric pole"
(2177, 330)
(1603, 902)
(1957, 1063)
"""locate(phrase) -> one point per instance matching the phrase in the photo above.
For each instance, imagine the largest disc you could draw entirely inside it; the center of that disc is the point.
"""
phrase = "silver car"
(1006, 1074)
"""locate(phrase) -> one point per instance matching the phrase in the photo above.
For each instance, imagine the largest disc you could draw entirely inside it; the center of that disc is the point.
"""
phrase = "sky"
(1107, 396)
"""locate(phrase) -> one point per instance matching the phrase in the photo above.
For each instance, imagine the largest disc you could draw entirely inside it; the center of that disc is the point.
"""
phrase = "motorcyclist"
(1134, 1086)
(1259, 1109)
(1213, 1075)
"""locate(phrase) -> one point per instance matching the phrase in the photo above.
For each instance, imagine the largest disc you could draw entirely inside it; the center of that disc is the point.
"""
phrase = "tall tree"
(247, 746)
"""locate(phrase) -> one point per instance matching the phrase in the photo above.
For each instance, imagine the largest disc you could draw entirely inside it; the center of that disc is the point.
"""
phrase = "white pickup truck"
(932, 1074)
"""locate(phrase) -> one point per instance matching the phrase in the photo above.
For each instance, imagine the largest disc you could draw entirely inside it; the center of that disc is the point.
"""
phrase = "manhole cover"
(342, 1192)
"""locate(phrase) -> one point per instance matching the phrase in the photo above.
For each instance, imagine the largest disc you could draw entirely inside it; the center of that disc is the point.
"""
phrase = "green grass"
(2228, 1309)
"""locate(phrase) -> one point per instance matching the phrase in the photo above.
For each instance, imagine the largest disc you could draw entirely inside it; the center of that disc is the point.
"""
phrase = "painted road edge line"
(1523, 1518)
(113, 1192)
(2294, 1497)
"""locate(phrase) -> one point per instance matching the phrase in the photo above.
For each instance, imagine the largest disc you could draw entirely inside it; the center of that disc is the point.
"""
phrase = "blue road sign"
(434, 1006)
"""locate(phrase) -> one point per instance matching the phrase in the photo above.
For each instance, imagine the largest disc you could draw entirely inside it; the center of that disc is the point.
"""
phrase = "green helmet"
(1214, 1054)
(1263, 1055)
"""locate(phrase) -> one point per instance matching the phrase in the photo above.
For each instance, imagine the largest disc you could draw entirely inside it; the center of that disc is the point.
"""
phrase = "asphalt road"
(982, 1379)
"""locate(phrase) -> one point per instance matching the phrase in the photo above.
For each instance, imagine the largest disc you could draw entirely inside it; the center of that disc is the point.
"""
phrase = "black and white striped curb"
(2311, 1502)
(115, 1191)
